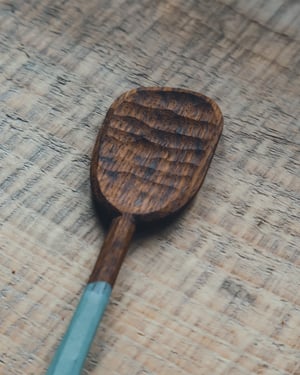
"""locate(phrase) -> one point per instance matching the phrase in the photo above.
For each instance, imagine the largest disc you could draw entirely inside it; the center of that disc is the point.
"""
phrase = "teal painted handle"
(71, 353)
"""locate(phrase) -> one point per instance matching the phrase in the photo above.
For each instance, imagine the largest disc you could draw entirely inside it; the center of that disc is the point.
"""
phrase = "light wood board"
(216, 292)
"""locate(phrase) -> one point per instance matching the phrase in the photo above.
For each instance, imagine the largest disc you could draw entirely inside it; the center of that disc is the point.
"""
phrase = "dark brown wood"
(149, 160)
(113, 250)
(153, 151)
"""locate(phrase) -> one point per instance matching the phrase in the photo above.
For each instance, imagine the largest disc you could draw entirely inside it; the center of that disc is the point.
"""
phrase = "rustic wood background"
(216, 292)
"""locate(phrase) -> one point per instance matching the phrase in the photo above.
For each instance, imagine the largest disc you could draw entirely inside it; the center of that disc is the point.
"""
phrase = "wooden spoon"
(149, 160)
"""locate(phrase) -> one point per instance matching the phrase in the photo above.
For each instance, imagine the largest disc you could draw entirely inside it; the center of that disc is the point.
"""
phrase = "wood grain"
(113, 250)
(154, 150)
(220, 290)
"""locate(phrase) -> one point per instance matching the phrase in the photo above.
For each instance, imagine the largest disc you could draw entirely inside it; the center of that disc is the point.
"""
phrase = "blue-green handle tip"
(73, 349)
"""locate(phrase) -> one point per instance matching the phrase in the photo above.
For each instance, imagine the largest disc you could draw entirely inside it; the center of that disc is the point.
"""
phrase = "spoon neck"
(114, 249)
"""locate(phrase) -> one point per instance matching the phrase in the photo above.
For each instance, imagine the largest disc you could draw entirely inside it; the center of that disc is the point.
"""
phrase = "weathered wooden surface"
(217, 292)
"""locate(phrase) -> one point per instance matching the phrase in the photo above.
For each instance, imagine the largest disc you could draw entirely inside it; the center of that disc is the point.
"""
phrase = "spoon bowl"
(153, 151)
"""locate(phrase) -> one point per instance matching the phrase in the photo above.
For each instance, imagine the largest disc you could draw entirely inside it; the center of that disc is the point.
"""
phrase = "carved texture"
(154, 149)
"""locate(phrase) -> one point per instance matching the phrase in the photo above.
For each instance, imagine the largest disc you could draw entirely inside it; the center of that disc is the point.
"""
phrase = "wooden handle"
(70, 355)
(113, 250)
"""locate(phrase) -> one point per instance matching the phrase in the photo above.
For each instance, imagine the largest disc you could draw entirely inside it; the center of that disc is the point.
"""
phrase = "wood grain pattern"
(220, 293)
(153, 151)
(113, 250)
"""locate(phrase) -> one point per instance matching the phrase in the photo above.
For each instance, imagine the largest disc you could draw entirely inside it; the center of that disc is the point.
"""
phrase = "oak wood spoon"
(150, 159)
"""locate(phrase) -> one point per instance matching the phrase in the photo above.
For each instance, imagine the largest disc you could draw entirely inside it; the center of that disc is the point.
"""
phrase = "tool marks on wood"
(154, 149)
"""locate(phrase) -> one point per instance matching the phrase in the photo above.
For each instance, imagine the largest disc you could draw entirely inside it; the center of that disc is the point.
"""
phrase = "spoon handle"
(73, 349)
